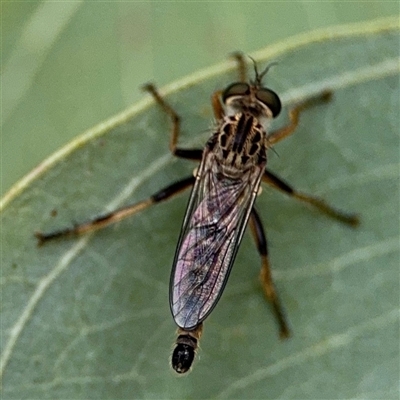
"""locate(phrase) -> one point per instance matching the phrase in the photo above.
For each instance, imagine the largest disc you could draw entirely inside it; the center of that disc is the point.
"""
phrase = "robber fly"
(225, 187)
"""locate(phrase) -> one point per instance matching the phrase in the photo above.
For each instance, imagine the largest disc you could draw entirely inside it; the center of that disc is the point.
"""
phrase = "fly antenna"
(260, 76)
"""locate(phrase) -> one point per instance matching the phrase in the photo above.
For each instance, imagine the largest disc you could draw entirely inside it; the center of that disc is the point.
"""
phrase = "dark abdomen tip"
(182, 358)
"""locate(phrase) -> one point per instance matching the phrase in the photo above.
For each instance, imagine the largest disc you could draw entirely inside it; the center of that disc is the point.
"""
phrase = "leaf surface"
(89, 317)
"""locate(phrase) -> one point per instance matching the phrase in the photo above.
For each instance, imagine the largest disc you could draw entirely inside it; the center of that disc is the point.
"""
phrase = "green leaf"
(89, 317)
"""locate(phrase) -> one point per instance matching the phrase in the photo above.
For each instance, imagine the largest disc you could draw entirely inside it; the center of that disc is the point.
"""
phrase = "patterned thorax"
(239, 144)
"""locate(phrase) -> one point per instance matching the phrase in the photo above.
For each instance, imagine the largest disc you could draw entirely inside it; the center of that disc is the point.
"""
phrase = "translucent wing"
(215, 220)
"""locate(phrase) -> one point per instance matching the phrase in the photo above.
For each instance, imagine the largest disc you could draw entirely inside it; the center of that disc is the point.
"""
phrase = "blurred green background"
(67, 66)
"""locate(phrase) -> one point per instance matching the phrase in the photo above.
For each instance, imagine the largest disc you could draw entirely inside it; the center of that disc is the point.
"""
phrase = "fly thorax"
(239, 144)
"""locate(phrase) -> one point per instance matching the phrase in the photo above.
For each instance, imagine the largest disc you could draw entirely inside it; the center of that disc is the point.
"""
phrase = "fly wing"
(218, 210)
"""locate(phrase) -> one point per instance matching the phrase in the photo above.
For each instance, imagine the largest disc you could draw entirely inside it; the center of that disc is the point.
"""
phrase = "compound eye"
(270, 99)
(236, 89)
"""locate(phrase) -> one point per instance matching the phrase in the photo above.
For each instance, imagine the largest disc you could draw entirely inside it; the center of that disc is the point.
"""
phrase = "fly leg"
(265, 274)
(241, 65)
(119, 214)
(161, 195)
(276, 182)
(190, 154)
(216, 96)
(294, 116)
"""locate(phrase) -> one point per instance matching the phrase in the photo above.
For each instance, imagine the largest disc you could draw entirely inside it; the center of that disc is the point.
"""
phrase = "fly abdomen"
(185, 349)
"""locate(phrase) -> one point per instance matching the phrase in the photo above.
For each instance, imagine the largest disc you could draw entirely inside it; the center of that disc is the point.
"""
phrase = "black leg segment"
(119, 214)
(278, 183)
(266, 275)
